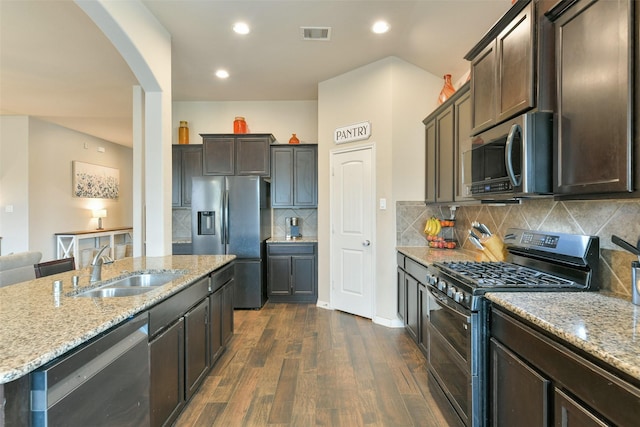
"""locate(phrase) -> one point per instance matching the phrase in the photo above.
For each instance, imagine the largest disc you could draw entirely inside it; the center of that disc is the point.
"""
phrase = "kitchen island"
(39, 325)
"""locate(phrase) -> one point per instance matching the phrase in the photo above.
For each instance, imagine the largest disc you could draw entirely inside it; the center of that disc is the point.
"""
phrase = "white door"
(352, 231)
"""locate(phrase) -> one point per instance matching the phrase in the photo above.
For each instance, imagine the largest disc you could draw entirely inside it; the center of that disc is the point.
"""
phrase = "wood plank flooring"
(300, 365)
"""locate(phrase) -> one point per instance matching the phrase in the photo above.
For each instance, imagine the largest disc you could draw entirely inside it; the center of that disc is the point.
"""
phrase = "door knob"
(366, 243)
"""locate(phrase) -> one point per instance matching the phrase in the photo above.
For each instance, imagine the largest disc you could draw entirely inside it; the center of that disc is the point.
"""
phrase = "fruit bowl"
(437, 242)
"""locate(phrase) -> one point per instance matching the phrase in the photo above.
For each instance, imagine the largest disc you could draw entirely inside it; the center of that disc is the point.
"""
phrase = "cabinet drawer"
(222, 276)
(290, 249)
(175, 306)
(415, 269)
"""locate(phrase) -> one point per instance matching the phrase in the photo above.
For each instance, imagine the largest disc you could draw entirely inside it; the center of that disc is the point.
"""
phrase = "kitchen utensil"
(626, 246)
(485, 229)
(481, 228)
(476, 242)
(472, 234)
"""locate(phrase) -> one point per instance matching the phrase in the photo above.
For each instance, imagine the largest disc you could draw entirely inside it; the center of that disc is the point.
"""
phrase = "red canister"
(239, 125)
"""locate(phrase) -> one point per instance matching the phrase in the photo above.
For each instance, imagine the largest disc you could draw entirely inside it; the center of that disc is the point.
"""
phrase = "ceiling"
(56, 65)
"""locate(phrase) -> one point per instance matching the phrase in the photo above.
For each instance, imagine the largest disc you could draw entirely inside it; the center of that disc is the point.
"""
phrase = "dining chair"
(53, 267)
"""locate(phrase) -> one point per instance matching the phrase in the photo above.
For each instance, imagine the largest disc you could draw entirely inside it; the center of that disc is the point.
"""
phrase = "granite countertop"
(425, 255)
(283, 239)
(602, 326)
(38, 326)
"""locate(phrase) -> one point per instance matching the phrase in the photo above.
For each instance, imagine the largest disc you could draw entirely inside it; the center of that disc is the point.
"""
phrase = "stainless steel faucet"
(96, 265)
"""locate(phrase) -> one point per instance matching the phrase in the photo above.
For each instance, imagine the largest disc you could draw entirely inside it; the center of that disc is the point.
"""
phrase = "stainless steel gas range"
(538, 261)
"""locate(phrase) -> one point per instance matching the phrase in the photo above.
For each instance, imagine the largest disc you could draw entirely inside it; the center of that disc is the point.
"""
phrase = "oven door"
(450, 350)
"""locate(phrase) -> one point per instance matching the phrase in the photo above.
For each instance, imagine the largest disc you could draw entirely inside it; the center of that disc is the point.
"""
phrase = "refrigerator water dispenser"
(206, 223)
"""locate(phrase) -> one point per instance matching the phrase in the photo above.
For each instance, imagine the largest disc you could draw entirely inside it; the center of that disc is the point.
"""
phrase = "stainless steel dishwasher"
(104, 383)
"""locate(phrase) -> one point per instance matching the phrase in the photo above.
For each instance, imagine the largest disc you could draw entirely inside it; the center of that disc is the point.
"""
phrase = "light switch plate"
(383, 204)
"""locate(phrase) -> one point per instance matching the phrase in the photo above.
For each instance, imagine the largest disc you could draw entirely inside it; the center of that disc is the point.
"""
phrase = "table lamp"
(100, 213)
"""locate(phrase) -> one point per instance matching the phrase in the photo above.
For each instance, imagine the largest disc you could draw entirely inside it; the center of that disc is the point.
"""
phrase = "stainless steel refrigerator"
(232, 215)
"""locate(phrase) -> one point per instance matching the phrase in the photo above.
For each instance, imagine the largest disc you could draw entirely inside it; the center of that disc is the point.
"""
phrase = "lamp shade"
(99, 213)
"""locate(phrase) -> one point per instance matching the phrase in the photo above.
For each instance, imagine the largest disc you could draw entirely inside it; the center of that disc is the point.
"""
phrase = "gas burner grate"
(503, 274)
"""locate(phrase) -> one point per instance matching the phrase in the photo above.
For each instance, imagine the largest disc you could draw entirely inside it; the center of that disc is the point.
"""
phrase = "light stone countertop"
(283, 239)
(603, 326)
(38, 326)
(425, 255)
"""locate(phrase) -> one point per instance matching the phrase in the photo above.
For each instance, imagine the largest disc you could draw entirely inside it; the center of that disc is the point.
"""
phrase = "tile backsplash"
(598, 218)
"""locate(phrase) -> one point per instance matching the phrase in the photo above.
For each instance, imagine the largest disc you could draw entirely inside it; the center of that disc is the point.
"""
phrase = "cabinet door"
(196, 324)
(253, 155)
(594, 140)
(569, 413)
(423, 313)
(218, 155)
(445, 155)
(483, 87)
(191, 166)
(515, 65)
(167, 375)
(282, 176)
(412, 306)
(227, 311)
(176, 176)
(303, 275)
(305, 177)
(462, 116)
(517, 392)
(215, 325)
(431, 161)
(279, 275)
(401, 305)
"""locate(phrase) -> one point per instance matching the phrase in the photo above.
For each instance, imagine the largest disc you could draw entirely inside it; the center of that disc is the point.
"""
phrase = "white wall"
(14, 183)
(394, 96)
(36, 171)
(281, 118)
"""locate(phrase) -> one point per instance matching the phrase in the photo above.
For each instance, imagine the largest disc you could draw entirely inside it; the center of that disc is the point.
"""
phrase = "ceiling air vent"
(316, 33)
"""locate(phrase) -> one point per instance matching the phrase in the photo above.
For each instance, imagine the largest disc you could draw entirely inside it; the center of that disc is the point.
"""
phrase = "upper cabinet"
(445, 130)
(294, 175)
(510, 69)
(186, 163)
(597, 89)
(236, 154)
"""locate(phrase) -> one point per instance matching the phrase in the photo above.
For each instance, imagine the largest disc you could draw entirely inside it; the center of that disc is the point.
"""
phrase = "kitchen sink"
(143, 280)
(115, 292)
(134, 284)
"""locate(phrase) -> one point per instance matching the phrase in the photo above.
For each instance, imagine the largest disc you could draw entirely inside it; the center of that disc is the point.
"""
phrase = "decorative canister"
(447, 89)
(239, 125)
(183, 133)
(294, 139)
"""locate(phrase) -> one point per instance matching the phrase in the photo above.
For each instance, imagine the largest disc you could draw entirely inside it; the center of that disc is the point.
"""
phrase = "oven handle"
(442, 302)
(508, 154)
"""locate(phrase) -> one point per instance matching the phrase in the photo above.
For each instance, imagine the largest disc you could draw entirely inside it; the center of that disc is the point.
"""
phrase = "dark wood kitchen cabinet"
(196, 332)
(598, 134)
(237, 154)
(413, 292)
(294, 176)
(186, 162)
(291, 272)
(444, 129)
(512, 66)
(534, 376)
(221, 310)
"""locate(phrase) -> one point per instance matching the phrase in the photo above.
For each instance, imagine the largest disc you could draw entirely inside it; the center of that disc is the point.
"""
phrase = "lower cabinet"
(291, 270)
(413, 300)
(188, 333)
(534, 377)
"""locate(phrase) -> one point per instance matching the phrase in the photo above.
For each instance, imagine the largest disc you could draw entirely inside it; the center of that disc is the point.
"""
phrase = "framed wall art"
(95, 181)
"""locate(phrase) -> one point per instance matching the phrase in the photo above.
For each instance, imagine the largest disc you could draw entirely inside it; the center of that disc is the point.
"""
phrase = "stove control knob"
(451, 291)
(442, 285)
(431, 279)
(458, 297)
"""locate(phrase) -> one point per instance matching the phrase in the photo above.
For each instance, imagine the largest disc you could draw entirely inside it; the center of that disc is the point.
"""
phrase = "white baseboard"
(389, 323)
(324, 304)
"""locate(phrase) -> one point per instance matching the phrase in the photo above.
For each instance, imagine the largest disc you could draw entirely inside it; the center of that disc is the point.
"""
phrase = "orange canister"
(239, 125)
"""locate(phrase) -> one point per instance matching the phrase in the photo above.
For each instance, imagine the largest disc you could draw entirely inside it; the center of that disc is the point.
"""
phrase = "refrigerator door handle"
(225, 218)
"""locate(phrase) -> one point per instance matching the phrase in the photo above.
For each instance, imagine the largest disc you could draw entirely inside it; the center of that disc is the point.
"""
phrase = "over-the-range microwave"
(511, 160)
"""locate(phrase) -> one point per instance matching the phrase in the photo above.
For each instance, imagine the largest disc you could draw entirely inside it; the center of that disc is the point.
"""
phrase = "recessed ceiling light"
(222, 74)
(241, 28)
(380, 27)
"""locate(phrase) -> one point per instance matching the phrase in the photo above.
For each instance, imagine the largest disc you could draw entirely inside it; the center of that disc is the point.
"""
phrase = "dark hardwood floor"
(299, 365)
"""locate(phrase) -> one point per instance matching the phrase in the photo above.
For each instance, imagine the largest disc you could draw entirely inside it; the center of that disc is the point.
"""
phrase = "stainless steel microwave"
(513, 159)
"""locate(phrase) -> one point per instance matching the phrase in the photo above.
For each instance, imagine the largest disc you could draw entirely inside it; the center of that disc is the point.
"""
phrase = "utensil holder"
(635, 282)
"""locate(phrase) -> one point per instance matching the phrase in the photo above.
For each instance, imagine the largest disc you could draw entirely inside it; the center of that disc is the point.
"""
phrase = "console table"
(71, 243)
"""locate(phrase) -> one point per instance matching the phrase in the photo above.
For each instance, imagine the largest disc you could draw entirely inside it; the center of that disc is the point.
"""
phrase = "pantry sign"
(354, 132)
